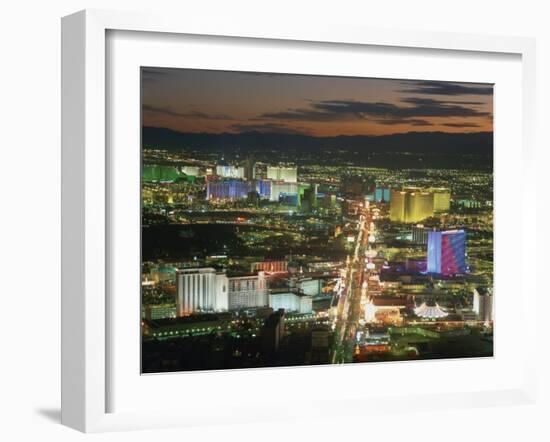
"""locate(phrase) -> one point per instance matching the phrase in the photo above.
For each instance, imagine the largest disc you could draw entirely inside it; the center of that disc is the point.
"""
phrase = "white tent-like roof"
(430, 311)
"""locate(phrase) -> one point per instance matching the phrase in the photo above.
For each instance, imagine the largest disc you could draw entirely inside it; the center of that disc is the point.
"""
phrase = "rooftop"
(430, 311)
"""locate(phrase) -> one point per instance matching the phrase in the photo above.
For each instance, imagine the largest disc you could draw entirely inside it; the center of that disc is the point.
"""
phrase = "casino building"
(430, 310)
(411, 205)
(248, 291)
(228, 171)
(288, 174)
(447, 252)
(290, 301)
(442, 199)
(228, 189)
(201, 290)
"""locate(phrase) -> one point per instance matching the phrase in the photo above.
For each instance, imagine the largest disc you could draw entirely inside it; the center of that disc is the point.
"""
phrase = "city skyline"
(209, 101)
(301, 220)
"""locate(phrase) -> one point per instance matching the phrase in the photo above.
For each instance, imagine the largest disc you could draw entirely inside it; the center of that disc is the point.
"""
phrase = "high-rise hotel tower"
(411, 205)
(288, 174)
(207, 290)
(201, 290)
(447, 252)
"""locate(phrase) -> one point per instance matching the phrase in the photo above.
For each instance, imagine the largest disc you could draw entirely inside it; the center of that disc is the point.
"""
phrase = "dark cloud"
(191, 114)
(426, 107)
(410, 121)
(414, 111)
(153, 72)
(149, 75)
(446, 88)
(465, 103)
(460, 125)
(274, 128)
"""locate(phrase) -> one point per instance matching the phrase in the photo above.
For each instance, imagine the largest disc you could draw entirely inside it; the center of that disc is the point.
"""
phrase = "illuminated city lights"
(286, 228)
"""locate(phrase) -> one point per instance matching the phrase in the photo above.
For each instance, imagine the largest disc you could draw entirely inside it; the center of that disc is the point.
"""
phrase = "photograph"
(298, 220)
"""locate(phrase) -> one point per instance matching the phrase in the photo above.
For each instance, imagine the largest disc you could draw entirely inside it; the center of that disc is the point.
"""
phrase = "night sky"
(189, 100)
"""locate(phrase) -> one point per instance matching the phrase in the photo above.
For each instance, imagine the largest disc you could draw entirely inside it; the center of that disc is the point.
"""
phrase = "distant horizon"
(321, 136)
(432, 149)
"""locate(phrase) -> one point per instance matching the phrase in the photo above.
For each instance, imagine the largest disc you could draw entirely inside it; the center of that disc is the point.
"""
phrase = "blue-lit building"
(228, 189)
(263, 187)
(382, 194)
(289, 199)
(447, 252)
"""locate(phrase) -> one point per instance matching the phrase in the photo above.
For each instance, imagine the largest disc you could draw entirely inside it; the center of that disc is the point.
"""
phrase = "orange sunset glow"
(207, 101)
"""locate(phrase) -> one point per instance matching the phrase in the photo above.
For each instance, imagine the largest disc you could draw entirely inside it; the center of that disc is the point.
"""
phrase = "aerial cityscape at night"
(295, 220)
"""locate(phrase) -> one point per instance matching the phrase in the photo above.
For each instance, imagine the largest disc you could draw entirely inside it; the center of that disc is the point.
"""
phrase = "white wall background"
(30, 213)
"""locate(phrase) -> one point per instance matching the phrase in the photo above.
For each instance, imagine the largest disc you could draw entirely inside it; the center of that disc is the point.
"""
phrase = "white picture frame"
(85, 307)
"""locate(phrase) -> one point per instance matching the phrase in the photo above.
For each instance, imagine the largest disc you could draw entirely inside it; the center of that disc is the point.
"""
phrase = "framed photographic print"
(263, 210)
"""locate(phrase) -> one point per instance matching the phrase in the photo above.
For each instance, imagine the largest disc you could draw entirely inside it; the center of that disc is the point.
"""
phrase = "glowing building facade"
(263, 188)
(270, 266)
(291, 302)
(288, 174)
(279, 188)
(411, 205)
(397, 206)
(430, 311)
(483, 304)
(419, 205)
(228, 189)
(370, 311)
(447, 252)
(159, 174)
(420, 234)
(309, 286)
(442, 199)
(190, 170)
(206, 290)
(200, 290)
(230, 171)
(247, 291)
(382, 194)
